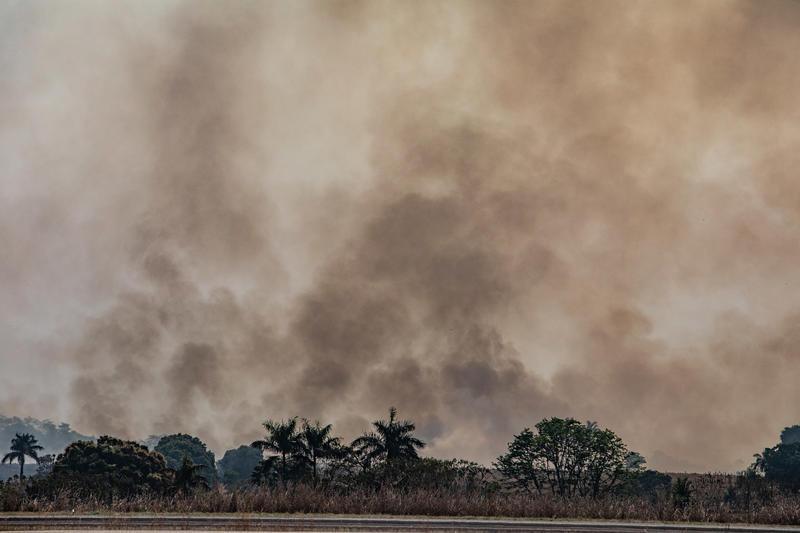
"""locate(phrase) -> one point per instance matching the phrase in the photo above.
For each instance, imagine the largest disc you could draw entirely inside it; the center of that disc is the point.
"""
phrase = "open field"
(53, 523)
(713, 501)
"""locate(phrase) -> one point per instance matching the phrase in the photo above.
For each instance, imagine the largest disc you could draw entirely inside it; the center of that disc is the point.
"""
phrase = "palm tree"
(283, 439)
(187, 476)
(391, 440)
(22, 445)
(316, 443)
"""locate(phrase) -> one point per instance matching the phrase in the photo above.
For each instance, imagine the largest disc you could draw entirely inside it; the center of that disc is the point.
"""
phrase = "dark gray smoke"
(214, 213)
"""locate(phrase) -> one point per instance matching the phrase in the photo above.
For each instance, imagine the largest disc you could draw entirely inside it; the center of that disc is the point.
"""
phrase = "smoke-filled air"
(484, 214)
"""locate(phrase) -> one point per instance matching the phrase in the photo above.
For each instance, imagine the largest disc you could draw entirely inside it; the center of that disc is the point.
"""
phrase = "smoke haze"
(483, 213)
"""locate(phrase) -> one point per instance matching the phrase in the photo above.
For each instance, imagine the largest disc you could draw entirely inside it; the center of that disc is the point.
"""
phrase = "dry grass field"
(713, 499)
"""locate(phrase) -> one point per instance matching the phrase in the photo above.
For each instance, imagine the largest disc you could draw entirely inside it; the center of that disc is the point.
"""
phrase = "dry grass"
(711, 502)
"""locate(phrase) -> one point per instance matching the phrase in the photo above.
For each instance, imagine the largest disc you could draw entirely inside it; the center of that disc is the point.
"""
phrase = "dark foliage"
(23, 445)
(648, 484)
(109, 468)
(176, 448)
(561, 469)
(781, 464)
(266, 472)
(282, 438)
(749, 490)
(392, 440)
(682, 491)
(45, 465)
(436, 475)
(237, 465)
(51, 436)
(566, 458)
(188, 477)
(790, 435)
(316, 445)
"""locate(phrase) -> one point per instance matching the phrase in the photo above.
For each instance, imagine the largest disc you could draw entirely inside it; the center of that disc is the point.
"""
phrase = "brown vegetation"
(711, 501)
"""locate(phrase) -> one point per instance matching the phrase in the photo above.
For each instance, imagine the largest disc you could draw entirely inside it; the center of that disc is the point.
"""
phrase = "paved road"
(53, 523)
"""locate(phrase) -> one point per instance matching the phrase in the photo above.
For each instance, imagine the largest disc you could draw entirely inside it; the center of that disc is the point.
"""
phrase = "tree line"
(558, 457)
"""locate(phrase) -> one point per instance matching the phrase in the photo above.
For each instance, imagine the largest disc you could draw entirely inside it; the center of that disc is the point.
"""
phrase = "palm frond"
(10, 457)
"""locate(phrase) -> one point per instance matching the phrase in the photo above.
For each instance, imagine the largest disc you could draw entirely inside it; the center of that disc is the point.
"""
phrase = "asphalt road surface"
(244, 523)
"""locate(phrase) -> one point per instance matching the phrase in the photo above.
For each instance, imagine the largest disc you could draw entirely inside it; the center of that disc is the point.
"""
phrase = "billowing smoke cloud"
(213, 213)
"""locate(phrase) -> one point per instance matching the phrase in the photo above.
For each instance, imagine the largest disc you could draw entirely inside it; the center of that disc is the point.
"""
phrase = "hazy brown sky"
(483, 213)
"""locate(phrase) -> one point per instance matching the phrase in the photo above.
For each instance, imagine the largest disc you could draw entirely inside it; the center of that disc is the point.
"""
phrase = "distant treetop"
(51, 436)
(790, 435)
(175, 448)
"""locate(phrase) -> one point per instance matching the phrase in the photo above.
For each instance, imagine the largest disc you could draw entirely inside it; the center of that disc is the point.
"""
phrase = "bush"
(648, 484)
(748, 490)
(106, 469)
(682, 491)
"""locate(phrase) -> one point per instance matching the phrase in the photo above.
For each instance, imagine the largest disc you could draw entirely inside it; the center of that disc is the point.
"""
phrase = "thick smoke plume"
(484, 214)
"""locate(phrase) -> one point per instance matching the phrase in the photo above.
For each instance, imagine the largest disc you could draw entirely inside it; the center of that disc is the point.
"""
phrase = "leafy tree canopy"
(790, 435)
(237, 465)
(51, 436)
(781, 464)
(567, 458)
(111, 467)
(176, 447)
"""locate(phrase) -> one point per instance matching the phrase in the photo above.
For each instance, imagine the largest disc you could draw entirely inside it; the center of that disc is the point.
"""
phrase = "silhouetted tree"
(524, 465)
(682, 492)
(606, 460)
(281, 438)
(238, 464)
(111, 467)
(53, 437)
(265, 472)
(22, 445)
(567, 457)
(391, 440)
(175, 448)
(188, 476)
(635, 461)
(790, 435)
(317, 443)
(781, 465)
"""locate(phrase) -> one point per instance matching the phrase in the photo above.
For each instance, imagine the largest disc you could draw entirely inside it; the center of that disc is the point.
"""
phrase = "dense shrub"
(106, 469)
(648, 484)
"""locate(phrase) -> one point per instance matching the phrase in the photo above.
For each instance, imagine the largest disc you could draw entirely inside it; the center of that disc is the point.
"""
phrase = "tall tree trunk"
(314, 456)
(283, 469)
(21, 466)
